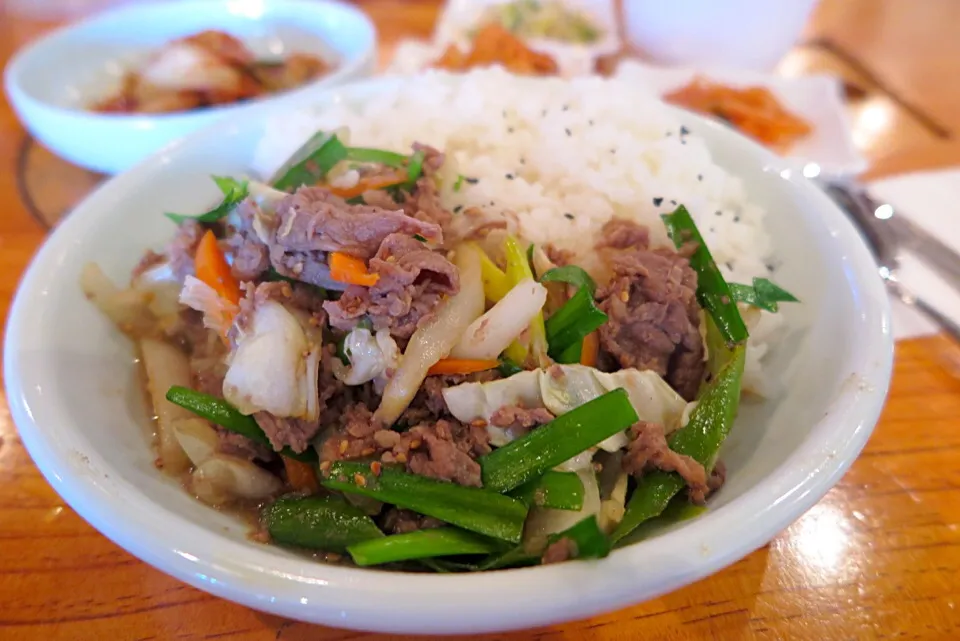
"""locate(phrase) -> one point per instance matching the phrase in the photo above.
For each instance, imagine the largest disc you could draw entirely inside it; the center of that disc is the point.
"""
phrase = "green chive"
(421, 544)
(234, 192)
(554, 490)
(319, 523)
(530, 456)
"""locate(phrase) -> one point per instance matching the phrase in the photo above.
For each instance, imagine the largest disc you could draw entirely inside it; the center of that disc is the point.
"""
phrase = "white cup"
(743, 34)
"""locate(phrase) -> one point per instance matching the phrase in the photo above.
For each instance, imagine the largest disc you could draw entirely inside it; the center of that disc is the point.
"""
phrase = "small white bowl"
(73, 392)
(52, 82)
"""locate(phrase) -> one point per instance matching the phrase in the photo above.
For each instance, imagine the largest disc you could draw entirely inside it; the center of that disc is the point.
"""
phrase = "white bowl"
(73, 393)
(52, 82)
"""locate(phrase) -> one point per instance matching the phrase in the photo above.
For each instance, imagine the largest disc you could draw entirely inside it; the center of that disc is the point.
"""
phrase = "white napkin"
(928, 199)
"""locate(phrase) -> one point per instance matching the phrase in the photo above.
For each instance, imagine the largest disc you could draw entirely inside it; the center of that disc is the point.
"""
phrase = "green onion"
(763, 294)
(415, 168)
(679, 509)
(420, 238)
(422, 544)
(588, 538)
(519, 556)
(518, 269)
(234, 192)
(571, 355)
(700, 439)
(554, 490)
(311, 162)
(572, 275)
(474, 509)
(530, 456)
(459, 182)
(216, 410)
(379, 156)
(712, 290)
(320, 523)
(578, 317)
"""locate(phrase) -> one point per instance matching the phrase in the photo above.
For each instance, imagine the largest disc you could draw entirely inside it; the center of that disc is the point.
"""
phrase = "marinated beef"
(251, 256)
(242, 447)
(648, 450)
(294, 433)
(651, 303)
(313, 219)
(444, 449)
(518, 419)
(182, 248)
(397, 521)
(413, 280)
(561, 550)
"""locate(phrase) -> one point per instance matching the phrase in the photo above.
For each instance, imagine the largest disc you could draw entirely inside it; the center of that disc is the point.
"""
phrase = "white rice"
(564, 155)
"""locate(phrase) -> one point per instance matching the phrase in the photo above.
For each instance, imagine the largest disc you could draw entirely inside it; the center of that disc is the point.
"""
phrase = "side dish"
(206, 69)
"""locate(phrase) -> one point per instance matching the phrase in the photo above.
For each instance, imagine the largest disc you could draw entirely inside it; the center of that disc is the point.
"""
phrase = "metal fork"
(886, 239)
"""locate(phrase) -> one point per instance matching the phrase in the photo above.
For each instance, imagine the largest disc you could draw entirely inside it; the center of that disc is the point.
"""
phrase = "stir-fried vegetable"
(212, 268)
(302, 477)
(490, 334)
(421, 544)
(496, 285)
(234, 192)
(348, 269)
(579, 316)
(712, 290)
(556, 490)
(589, 541)
(365, 356)
(319, 523)
(311, 162)
(164, 366)
(590, 349)
(763, 294)
(518, 270)
(474, 509)
(415, 168)
(378, 156)
(709, 425)
(566, 436)
(434, 339)
(379, 181)
(216, 410)
(218, 312)
(461, 366)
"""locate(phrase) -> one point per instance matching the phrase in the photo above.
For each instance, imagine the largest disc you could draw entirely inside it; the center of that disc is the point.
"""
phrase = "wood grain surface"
(877, 558)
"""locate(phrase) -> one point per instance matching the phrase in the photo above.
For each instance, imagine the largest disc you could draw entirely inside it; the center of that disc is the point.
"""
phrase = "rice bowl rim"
(413, 603)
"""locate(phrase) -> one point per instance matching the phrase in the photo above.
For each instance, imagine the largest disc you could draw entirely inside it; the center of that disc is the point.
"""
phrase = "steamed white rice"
(564, 155)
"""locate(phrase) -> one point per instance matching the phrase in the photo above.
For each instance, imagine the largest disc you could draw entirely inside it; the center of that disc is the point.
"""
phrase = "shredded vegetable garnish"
(763, 294)
(234, 192)
(378, 156)
(712, 290)
(345, 268)
(461, 366)
(753, 110)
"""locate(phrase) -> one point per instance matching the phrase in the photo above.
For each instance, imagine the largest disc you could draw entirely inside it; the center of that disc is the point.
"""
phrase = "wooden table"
(877, 558)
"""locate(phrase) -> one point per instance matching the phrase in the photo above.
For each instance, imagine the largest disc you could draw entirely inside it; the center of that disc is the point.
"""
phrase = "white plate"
(52, 82)
(73, 395)
(816, 99)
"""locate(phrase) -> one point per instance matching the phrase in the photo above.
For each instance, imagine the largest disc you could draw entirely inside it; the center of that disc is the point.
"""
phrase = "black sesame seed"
(712, 230)
(504, 113)
(736, 219)
(590, 122)
(472, 181)
(509, 130)
(543, 113)
(699, 176)
(682, 141)
(523, 162)
(568, 132)
(669, 133)
(491, 203)
(457, 209)
(684, 131)
(770, 267)
(613, 151)
(718, 213)
(729, 265)
(569, 216)
(509, 176)
(657, 202)
(566, 107)
(673, 202)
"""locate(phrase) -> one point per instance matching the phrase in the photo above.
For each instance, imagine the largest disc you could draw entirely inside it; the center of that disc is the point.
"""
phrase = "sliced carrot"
(347, 269)
(301, 476)
(212, 269)
(589, 349)
(376, 182)
(460, 366)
